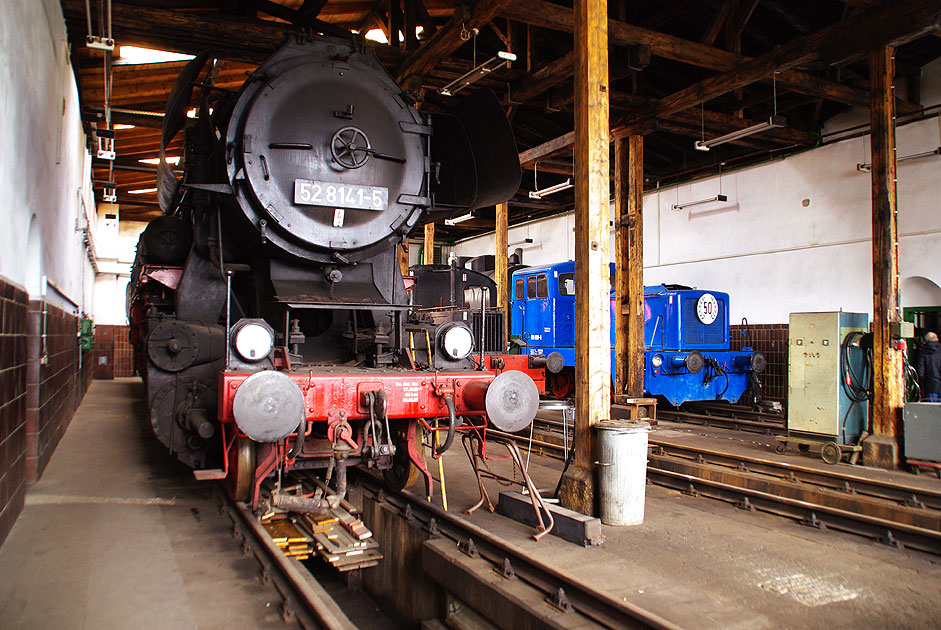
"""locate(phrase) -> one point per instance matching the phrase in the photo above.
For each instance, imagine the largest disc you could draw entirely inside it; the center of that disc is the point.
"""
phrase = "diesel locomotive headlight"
(457, 342)
(656, 361)
(758, 362)
(253, 339)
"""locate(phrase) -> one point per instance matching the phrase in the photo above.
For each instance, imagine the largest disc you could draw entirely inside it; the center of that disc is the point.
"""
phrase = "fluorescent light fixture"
(122, 126)
(456, 220)
(174, 160)
(496, 62)
(680, 206)
(539, 194)
(772, 123)
(141, 191)
(136, 54)
(866, 168)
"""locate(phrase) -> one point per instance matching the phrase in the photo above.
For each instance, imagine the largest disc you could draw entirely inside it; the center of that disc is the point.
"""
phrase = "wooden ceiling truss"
(680, 70)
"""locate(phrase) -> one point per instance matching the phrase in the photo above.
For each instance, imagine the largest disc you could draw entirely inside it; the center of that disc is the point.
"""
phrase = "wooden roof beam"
(447, 39)
(556, 17)
(124, 117)
(709, 37)
(544, 79)
(784, 12)
(871, 28)
(224, 36)
(903, 20)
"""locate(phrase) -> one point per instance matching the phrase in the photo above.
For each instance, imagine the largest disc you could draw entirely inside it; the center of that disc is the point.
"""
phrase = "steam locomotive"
(267, 308)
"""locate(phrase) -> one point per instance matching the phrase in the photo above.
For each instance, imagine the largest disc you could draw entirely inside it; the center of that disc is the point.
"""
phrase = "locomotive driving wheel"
(403, 472)
(561, 384)
(241, 470)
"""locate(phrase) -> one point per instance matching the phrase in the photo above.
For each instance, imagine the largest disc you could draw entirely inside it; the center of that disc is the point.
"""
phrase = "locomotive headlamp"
(457, 342)
(657, 360)
(253, 339)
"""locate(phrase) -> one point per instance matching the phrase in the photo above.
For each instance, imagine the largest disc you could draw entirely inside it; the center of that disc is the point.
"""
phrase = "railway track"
(727, 416)
(893, 513)
(462, 557)
(304, 600)
(472, 555)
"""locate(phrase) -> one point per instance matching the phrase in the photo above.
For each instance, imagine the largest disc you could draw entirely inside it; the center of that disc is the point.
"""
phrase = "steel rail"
(591, 603)
(303, 601)
(732, 411)
(810, 514)
(832, 479)
(707, 420)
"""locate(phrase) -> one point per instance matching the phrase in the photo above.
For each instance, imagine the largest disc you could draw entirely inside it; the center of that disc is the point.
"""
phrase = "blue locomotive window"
(520, 293)
(566, 284)
(531, 287)
(542, 287)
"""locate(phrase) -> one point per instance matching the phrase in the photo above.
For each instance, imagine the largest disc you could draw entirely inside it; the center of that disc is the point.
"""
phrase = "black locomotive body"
(267, 307)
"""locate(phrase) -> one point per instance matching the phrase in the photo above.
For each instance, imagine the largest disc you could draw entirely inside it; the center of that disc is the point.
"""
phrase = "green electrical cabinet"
(86, 334)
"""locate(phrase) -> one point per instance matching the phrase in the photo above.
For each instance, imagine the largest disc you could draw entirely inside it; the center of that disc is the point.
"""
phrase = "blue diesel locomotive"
(686, 336)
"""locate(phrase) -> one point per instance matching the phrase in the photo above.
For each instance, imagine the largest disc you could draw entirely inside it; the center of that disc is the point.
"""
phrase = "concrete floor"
(115, 535)
(702, 563)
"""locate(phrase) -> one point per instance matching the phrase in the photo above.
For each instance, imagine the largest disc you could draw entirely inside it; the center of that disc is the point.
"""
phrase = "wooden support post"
(592, 248)
(428, 249)
(500, 263)
(888, 384)
(411, 22)
(395, 22)
(629, 257)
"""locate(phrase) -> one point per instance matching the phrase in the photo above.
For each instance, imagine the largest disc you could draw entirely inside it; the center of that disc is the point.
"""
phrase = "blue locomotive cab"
(686, 336)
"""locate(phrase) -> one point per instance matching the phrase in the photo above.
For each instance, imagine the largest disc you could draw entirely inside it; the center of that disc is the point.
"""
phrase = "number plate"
(333, 195)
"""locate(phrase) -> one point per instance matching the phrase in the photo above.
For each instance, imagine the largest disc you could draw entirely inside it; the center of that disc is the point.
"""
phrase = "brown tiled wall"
(54, 383)
(771, 341)
(38, 397)
(114, 355)
(13, 306)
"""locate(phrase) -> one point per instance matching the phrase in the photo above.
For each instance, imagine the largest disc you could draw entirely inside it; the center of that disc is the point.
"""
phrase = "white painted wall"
(45, 168)
(116, 253)
(795, 234)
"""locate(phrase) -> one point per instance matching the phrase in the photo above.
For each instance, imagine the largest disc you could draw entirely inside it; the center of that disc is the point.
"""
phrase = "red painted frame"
(410, 395)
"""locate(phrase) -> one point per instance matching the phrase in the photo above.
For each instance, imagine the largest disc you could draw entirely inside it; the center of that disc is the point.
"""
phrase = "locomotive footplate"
(332, 417)
(342, 391)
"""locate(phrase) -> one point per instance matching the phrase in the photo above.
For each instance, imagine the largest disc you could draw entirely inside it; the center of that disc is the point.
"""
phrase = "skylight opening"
(136, 54)
(191, 113)
(377, 35)
(174, 160)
